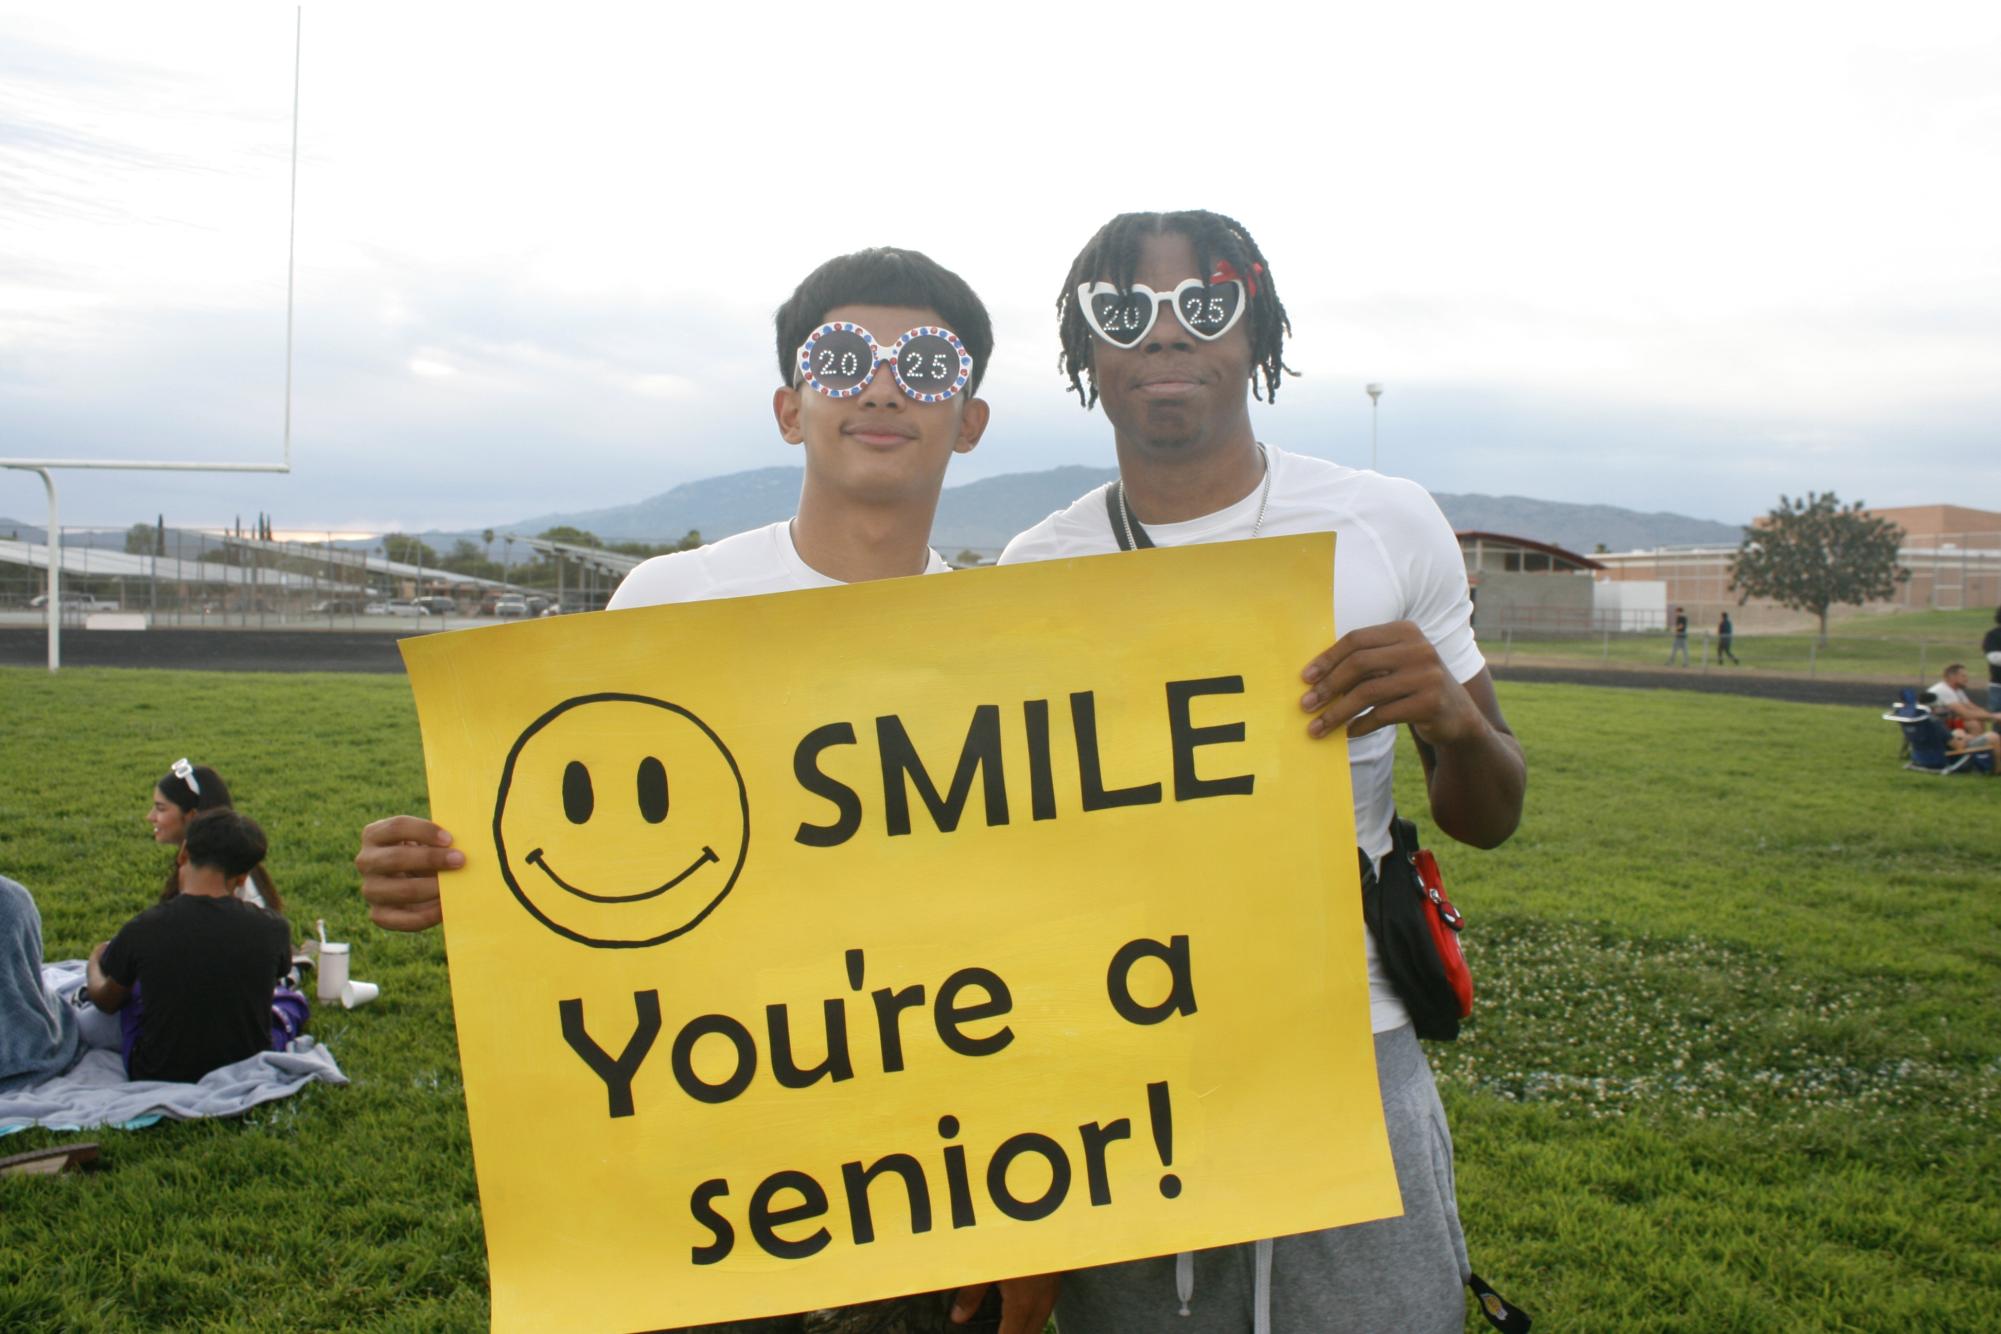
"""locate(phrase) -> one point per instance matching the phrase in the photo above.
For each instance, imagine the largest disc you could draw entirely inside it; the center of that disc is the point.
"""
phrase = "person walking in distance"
(1724, 631)
(1680, 644)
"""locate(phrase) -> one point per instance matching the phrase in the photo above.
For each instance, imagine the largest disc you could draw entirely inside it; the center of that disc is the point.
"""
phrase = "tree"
(486, 536)
(646, 549)
(1811, 554)
(465, 558)
(139, 539)
(408, 550)
(575, 537)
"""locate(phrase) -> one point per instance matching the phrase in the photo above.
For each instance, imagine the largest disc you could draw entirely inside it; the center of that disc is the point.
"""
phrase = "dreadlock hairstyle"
(1113, 256)
(884, 276)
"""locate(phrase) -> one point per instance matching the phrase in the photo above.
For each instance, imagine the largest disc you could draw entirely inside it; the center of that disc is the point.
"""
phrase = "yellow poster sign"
(834, 945)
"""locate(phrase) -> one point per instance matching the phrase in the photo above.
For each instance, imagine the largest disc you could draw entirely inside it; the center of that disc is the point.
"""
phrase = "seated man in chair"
(1946, 727)
(1952, 702)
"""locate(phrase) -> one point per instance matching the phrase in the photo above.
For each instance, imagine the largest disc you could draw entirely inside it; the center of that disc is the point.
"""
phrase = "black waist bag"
(1416, 932)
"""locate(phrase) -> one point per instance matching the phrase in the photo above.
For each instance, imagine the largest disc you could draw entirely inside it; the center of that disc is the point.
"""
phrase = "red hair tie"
(1226, 272)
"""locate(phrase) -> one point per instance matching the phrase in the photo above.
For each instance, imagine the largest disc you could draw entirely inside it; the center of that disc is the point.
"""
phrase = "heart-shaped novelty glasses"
(1123, 318)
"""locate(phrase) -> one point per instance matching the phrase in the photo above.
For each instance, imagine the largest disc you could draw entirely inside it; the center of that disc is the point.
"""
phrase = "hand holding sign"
(400, 860)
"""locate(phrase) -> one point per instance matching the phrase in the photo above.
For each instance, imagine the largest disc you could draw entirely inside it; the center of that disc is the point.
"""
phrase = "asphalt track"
(209, 650)
(1797, 689)
(375, 651)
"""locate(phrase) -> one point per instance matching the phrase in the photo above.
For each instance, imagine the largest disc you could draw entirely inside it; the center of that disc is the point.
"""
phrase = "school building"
(1952, 551)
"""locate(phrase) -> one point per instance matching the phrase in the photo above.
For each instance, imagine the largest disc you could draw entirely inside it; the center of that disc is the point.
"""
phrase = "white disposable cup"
(358, 993)
(333, 969)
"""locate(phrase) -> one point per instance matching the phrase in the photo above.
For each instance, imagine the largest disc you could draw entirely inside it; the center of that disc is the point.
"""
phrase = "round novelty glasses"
(1124, 317)
(930, 364)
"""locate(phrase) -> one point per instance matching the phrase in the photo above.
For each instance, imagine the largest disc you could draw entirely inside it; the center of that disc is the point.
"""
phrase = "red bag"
(1417, 935)
(1445, 923)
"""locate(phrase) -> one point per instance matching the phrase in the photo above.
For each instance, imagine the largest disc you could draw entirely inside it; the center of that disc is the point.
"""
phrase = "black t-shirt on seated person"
(205, 967)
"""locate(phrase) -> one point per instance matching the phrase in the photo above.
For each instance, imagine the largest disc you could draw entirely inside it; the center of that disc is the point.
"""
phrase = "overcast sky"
(1682, 259)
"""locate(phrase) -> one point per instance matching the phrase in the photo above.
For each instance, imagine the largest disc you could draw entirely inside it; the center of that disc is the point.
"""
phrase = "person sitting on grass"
(186, 791)
(38, 1034)
(206, 960)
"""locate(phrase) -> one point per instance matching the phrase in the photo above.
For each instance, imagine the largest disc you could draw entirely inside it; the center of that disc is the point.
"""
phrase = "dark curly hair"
(1113, 256)
(226, 840)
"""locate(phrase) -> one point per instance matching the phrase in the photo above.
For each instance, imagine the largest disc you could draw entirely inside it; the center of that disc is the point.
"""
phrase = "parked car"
(511, 605)
(376, 609)
(437, 606)
(75, 602)
(337, 607)
(398, 607)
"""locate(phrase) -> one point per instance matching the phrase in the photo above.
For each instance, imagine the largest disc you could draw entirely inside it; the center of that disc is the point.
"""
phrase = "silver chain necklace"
(1264, 499)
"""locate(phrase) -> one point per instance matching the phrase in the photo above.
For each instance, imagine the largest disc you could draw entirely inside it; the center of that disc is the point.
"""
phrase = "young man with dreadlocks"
(880, 354)
(1191, 469)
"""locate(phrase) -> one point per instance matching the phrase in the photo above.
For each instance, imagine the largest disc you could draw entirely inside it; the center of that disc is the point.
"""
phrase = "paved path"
(375, 651)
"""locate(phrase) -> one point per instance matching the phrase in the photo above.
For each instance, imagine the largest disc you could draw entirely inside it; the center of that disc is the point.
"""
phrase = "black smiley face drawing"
(621, 821)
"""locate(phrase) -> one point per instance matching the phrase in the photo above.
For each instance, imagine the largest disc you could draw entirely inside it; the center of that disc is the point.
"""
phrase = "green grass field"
(1733, 1066)
(1908, 647)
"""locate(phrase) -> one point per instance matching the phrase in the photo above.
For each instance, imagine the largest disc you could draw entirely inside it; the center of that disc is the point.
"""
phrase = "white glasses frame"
(893, 356)
(1085, 291)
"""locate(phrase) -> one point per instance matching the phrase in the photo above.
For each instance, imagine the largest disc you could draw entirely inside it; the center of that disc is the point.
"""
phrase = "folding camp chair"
(1927, 741)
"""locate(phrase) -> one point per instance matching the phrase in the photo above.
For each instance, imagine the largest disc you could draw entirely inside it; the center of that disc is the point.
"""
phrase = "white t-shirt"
(1946, 694)
(762, 560)
(1395, 559)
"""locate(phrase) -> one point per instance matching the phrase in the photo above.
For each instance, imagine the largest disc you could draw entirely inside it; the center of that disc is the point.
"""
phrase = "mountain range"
(983, 515)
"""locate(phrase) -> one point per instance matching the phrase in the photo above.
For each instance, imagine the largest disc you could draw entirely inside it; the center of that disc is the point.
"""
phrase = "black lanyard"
(1115, 509)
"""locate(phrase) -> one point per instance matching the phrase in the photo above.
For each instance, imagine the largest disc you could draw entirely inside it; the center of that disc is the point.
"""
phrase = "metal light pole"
(53, 544)
(1375, 392)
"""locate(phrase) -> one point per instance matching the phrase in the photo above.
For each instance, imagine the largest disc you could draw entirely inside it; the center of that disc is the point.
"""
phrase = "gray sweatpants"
(1405, 1274)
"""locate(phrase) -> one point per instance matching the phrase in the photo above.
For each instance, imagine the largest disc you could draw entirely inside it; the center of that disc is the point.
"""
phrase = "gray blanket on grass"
(95, 1092)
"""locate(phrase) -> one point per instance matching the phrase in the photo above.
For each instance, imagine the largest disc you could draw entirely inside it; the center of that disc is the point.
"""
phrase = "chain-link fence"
(153, 575)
